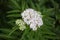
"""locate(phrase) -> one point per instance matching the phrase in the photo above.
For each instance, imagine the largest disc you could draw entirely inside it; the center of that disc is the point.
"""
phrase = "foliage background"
(10, 10)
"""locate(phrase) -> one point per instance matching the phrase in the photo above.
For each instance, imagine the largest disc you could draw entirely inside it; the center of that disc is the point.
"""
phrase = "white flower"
(32, 18)
(33, 26)
(21, 24)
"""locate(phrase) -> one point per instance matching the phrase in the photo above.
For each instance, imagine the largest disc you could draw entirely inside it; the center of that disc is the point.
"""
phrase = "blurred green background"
(10, 11)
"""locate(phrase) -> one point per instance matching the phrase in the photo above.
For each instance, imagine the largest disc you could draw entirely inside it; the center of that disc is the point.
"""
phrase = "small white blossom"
(21, 24)
(33, 26)
(32, 18)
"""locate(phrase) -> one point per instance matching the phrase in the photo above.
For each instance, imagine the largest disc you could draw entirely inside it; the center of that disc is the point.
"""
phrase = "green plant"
(51, 18)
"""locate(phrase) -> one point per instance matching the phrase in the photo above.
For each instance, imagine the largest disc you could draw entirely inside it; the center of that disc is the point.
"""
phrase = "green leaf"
(13, 15)
(52, 37)
(15, 3)
(32, 4)
(48, 12)
(12, 11)
(13, 30)
(5, 36)
(58, 16)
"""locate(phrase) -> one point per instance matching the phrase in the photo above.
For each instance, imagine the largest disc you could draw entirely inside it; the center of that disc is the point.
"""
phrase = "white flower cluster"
(32, 18)
(21, 24)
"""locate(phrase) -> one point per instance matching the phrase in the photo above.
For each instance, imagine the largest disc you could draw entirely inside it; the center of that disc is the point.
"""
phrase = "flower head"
(21, 24)
(32, 18)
